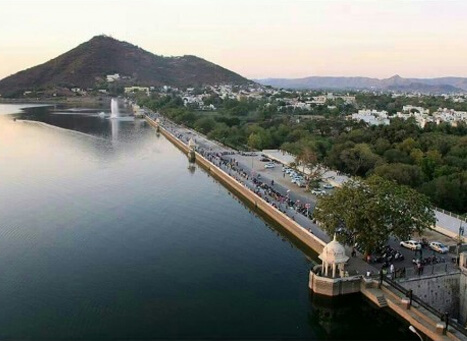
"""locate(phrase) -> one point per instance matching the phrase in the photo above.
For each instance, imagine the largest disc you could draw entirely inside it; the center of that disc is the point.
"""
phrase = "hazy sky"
(256, 38)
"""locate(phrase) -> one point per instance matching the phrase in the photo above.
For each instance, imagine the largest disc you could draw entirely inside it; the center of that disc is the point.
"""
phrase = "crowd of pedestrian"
(265, 190)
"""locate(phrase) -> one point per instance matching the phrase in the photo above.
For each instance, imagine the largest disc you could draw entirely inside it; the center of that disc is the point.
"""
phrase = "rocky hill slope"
(88, 64)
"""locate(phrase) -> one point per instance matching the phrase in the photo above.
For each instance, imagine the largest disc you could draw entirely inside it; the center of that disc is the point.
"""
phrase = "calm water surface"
(105, 233)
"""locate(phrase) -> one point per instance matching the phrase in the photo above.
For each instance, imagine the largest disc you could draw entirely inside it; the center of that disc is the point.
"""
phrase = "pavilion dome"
(334, 253)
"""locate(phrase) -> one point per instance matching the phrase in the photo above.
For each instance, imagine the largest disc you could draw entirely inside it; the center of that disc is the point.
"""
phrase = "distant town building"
(319, 100)
(133, 89)
(372, 117)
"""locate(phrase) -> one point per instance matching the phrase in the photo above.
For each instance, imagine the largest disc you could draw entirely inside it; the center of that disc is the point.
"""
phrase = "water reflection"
(115, 126)
(191, 167)
(337, 317)
(139, 124)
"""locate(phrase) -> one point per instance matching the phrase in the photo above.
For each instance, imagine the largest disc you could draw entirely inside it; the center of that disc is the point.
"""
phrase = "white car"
(269, 165)
(439, 247)
(411, 244)
(328, 186)
(317, 191)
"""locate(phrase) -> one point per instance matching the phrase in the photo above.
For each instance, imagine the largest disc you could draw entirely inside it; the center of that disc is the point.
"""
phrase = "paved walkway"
(451, 223)
(422, 319)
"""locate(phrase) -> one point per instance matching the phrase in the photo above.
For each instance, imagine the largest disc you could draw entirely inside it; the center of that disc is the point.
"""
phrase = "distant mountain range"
(395, 83)
(88, 64)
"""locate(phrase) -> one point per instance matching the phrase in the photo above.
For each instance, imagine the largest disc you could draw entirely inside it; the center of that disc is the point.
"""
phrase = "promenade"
(280, 195)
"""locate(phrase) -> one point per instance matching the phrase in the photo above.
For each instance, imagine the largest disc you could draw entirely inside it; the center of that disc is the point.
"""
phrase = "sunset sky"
(256, 38)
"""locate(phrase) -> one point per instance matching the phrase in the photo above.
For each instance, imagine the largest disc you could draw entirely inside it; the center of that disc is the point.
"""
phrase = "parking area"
(258, 163)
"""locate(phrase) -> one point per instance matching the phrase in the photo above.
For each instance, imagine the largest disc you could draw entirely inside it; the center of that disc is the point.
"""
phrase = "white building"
(319, 100)
(113, 78)
(372, 117)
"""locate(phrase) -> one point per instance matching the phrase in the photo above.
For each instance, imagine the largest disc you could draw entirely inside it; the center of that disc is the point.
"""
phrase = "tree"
(205, 124)
(382, 145)
(308, 159)
(372, 210)
(359, 159)
(220, 132)
(261, 139)
(449, 192)
(410, 175)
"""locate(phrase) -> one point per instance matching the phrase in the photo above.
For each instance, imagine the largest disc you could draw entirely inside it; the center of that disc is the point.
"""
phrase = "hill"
(395, 83)
(89, 63)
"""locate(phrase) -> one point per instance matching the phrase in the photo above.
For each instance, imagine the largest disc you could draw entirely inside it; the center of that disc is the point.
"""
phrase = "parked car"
(317, 191)
(328, 186)
(411, 244)
(269, 165)
(439, 247)
(264, 159)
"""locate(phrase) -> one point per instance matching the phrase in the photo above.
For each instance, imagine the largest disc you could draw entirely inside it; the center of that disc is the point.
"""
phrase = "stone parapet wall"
(442, 292)
(333, 286)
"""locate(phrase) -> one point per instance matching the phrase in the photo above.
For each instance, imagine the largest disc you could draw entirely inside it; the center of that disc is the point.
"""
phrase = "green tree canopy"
(410, 175)
(373, 210)
(205, 124)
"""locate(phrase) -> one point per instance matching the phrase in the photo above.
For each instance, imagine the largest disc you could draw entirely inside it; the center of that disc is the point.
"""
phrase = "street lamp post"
(413, 330)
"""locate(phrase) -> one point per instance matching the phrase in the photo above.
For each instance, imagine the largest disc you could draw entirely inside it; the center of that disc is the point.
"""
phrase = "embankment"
(304, 236)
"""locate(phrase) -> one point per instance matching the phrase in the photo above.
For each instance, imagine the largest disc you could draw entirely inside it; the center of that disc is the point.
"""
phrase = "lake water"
(105, 233)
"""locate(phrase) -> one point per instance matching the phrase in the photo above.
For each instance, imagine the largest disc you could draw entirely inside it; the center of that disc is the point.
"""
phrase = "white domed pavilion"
(333, 256)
